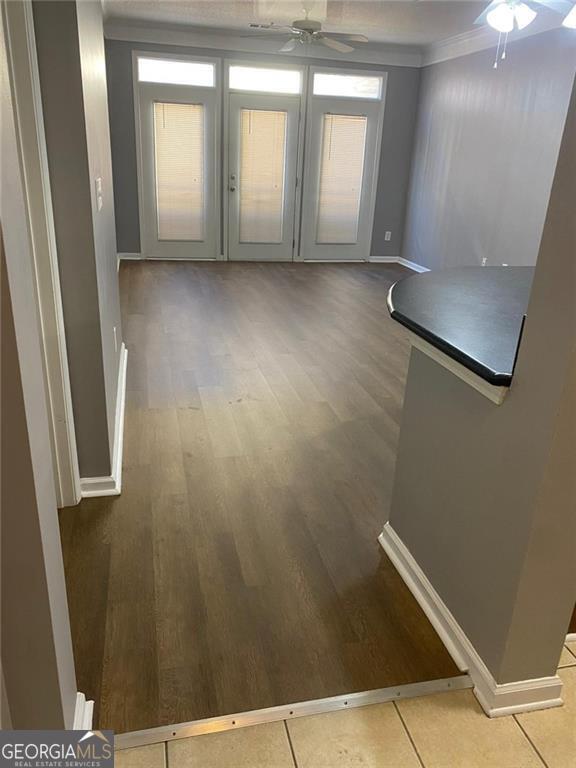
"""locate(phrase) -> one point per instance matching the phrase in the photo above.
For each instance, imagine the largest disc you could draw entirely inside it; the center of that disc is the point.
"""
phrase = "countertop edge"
(492, 377)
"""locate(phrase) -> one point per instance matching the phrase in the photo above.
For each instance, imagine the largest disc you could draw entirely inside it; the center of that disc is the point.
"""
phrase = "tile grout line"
(291, 745)
(166, 758)
(572, 653)
(534, 747)
(414, 747)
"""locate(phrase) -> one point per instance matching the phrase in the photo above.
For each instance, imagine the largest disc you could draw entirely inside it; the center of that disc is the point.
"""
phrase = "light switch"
(388, 236)
(99, 198)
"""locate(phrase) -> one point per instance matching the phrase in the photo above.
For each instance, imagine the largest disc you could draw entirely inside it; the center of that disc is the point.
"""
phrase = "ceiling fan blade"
(351, 38)
(482, 18)
(267, 36)
(288, 46)
(336, 45)
(272, 26)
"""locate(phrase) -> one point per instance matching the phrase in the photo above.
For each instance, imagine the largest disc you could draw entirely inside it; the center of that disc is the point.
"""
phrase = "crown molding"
(230, 40)
(479, 39)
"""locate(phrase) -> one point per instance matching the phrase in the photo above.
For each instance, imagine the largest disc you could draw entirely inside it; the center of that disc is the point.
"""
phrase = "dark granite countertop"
(472, 314)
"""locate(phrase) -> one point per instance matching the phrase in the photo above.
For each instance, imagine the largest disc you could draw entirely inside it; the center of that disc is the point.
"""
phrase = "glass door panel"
(340, 184)
(342, 149)
(179, 171)
(261, 184)
(263, 146)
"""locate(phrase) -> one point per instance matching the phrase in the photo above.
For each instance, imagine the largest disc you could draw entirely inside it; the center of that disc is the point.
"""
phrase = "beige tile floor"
(447, 730)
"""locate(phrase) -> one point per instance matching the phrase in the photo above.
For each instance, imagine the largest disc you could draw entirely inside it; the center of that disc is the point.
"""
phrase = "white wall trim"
(479, 39)
(496, 699)
(232, 40)
(111, 485)
(571, 637)
(127, 257)
(30, 126)
(398, 260)
(83, 713)
(373, 259)
(412, 265)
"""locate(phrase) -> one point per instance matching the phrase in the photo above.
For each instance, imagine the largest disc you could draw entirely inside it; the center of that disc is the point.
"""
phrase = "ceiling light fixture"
(570, 20)
(508, 14)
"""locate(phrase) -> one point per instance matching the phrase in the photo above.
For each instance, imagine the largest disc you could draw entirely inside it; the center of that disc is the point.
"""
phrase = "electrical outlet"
(484, 260)
(388, 236)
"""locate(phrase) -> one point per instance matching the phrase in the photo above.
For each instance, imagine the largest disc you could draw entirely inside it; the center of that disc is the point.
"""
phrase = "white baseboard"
(412, 265)
(373, 259)
(83, 713)
(496, 699)
(111, 485)
(398, 260)
(571, 637)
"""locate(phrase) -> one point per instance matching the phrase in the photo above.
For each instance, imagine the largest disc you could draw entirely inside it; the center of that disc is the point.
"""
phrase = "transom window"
(176, 72)
(349, 86)
(264, 80)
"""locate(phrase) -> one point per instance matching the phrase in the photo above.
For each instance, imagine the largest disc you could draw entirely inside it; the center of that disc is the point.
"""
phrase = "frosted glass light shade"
(570, 20)
(506, 15)
(501, 18)
(524, 15)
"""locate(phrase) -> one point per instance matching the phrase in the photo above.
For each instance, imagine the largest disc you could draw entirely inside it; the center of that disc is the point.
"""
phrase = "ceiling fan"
(308, 31)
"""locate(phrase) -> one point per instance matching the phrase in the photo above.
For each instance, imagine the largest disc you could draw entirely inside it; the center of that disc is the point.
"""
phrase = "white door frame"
(291, 104)
(226, 90)
(342, 105)
(31, 136)
(217, 90)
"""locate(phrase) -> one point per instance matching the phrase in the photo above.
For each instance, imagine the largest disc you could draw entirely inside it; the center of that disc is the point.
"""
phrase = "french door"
(179, 204)
(257, 211)
(261, 184)
(342, 150)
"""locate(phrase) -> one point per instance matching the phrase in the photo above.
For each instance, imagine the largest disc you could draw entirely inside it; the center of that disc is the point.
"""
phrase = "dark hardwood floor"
(240, 567)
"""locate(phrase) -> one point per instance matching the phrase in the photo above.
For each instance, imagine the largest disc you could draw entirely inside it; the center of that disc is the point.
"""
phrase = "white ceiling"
(407, 22)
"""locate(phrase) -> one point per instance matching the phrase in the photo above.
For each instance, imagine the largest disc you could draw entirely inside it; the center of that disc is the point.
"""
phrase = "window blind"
(262, 164)
(341, 171)
(179, 165)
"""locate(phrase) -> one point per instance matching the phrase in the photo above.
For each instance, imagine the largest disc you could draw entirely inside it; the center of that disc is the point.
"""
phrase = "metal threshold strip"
(272, 714)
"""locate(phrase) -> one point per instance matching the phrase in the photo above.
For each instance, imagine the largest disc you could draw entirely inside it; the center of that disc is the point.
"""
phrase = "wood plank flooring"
(240, 567)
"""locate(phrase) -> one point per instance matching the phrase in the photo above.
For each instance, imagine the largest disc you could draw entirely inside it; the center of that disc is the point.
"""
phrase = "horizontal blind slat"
(262, 163)
(179, 165)
(341, 172)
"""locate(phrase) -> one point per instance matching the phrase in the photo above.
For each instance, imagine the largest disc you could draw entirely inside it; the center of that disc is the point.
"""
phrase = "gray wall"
(36, 647)
(485, 151)
(484, 496)
(395, 160)
(70, 48)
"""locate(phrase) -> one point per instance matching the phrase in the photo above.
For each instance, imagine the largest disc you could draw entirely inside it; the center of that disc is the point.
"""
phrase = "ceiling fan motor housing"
(307, 25)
